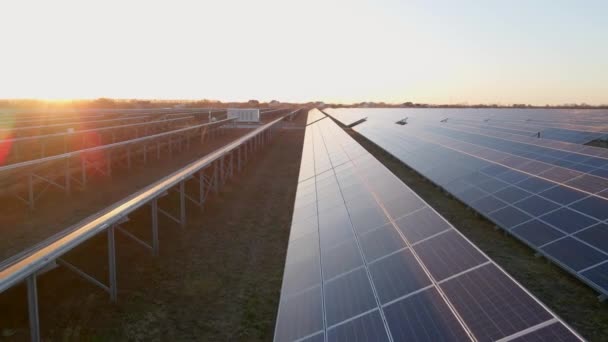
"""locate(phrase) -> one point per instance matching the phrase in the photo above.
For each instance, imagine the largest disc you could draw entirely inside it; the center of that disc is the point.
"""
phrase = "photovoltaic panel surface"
(368, 260)
(569, 125)
(552, 195)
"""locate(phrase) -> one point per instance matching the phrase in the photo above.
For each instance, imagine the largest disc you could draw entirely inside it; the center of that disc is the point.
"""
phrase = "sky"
(538, 52)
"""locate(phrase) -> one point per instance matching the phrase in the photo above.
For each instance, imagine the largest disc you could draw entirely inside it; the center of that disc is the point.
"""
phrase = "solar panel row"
(577, 126)
(555, 144)
(368, 260)
(558, 211)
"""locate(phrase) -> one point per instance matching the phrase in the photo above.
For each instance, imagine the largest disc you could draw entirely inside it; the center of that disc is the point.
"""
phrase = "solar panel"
(536, 192)
(375, 263)
(553, 126)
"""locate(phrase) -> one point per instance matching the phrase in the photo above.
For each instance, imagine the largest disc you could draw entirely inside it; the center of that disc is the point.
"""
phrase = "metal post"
(112, 264)
(32, 304)
(30, 182)
(231, 164)
(83, 165)
(216, 186)
(182, 203)
(201, 188)
(109, 164)
(155, 227)
(245, 150)
(239, 159)
(221, 161)
(68, 177)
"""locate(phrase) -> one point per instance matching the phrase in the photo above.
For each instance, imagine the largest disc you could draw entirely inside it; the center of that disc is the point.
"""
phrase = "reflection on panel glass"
(423, 317)
(493, 306)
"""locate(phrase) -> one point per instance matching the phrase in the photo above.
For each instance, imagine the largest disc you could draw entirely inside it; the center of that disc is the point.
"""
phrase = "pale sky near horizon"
(539, 52)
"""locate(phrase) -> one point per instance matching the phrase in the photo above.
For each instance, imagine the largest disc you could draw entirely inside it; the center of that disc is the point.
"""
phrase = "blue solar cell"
(402, 205)
(564, 163)
(488, 204)
(598, 275)
(348, 296)
(596, 236)
(366, 217)
(320, 337)
(428, 319)
(593, 206)
(421, 224)
(560, 174)
(305, 211)
(552, 333)
(581, 167)
(596, 162)
(575, 157)
(600, 173)
(398, 275)
(302, 248)
(380, 242)
(509, 217)
(477, 294)
(342, 258)
(335, 228)
(589, 183)
(562, 195)
(492, 185)
(301, 275)
(512, 177)
(574, 254)
(511, 194)
(535, 185)
(537, 233)
(457, 186)
(567, 220)
(494, 170)
(300, 315)
(367, 328)
(471, 195)
(447, 254)
(536, 205)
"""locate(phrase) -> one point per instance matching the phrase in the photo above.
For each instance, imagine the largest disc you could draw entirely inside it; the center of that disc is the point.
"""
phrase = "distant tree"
(253, 102)
(104, 103)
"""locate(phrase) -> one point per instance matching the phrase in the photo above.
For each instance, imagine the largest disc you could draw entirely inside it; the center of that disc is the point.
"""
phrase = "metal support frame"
(206, 184)
(112, 264)
(155, 247)
(112, 287)
(32, 304)
(182, 203)
(79, 175)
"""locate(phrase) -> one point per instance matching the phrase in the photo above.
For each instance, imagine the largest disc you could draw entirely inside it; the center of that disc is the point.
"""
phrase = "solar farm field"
(310, 225)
